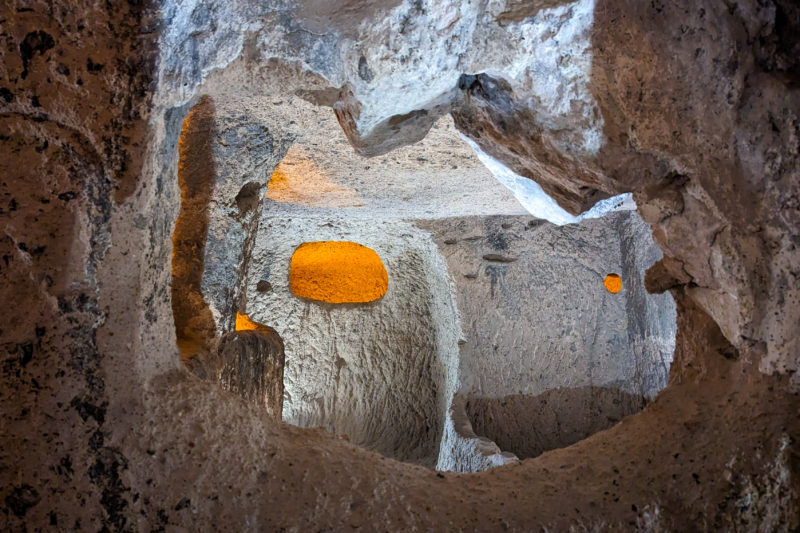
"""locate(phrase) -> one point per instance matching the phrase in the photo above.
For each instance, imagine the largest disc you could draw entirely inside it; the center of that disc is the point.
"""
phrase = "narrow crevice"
(194, 323)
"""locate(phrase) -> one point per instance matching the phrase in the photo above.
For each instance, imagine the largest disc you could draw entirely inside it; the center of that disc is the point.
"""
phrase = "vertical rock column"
(251, 365)
(223, 166)
(246, 153)
(194, 325)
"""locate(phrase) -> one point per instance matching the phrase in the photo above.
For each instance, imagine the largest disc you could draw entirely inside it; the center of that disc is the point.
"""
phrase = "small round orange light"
(613, 283)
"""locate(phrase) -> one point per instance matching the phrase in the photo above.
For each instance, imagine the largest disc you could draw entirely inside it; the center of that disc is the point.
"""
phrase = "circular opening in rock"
(613, 283)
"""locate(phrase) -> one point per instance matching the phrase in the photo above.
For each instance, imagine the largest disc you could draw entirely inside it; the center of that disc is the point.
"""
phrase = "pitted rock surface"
(692, 106)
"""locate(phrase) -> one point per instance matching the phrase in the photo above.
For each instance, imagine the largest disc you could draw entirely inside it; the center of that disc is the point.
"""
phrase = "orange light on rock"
(613, 283)
(299, 180)
(243, 323)
(337, 272)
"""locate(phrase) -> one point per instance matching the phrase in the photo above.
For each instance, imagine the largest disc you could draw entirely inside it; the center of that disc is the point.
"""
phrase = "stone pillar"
(251, 365)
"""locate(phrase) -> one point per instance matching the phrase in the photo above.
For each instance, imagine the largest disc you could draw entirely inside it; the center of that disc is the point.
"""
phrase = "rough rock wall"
(251, 365)
(102, 427)
(462, 450)
(194, 323)
(321, 168)
(617, 347)
(317, 51)
(75, 94)
(225, 160)
(529, 425)
(245, 152)
(531, 294)
(707, 166)
(549, 356)
(371, 371)
(651, 317)
(576, 89)
(221, 174)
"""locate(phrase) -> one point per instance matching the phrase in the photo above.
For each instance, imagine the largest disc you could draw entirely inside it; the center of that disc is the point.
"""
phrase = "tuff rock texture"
(386, 374)
(573, 332)
(692, 106)
(570, 358)
(243, 152)
(251, 365)
(372, 371)
(194, 323)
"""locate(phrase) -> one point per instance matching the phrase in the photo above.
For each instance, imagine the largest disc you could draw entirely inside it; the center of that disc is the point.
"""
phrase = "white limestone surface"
(375, 372)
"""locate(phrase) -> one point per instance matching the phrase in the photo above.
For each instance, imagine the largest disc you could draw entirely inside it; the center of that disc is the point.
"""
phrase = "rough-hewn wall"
(548, 355)
(75, 95)
(703, 129)
(195, 329)
(251, 365)
(371, 371)
(101, 427)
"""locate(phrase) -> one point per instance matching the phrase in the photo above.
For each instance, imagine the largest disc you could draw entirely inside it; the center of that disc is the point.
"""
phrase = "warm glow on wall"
(243, 323)
(613, 283)
(337, 272)
(300, 180)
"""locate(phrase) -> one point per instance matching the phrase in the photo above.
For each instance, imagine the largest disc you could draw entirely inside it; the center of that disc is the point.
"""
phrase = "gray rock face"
(535, 313)
(548, 355)
(245, 153)
(373, 371)
(389, 374)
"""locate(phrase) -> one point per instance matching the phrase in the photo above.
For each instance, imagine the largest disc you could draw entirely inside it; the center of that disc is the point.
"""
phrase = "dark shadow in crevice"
(531, 425)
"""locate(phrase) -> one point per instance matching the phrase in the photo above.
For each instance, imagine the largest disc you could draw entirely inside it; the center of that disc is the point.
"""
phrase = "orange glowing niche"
(613, 283)
(337, 272)
(243, 323)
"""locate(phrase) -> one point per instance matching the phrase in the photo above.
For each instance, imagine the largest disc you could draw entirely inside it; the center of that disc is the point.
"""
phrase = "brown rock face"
(251, 365)
(74, 100)
(529, 425)
(507, 129)
(101, 426)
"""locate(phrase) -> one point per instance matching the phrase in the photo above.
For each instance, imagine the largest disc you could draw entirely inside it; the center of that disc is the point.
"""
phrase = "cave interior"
(400, 265)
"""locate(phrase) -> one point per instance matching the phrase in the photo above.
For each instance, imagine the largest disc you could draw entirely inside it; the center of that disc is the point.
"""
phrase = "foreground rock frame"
(102, 426)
